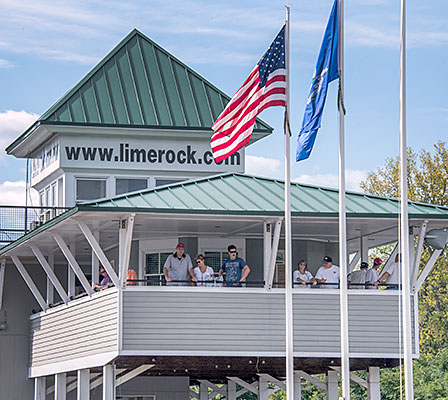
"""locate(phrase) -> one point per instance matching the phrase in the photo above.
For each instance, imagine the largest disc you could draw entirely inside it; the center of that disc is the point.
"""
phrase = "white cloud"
(256, 165)
(13, 194)
(12, 124)
(5, 63)
(352, 179)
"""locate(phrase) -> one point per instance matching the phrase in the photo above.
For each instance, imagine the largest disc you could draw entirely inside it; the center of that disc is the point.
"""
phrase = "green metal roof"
(234, 193)
(140, 84)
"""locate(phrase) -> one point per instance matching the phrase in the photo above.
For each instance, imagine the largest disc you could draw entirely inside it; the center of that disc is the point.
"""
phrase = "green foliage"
(428, 183)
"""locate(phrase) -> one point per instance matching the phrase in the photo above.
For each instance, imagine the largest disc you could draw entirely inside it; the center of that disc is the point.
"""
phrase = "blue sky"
(46, 47)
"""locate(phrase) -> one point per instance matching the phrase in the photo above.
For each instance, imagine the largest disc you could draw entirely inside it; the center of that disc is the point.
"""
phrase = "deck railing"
(16, 221)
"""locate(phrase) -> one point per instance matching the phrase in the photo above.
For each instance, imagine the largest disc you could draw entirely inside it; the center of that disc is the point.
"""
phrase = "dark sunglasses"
(232, 251)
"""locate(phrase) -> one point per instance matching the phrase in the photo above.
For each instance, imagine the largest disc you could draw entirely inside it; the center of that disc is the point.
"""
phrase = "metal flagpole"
(345, 359)
(288, 256)
(405, 256)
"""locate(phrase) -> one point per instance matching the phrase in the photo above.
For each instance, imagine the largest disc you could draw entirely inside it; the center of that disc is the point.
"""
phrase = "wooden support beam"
(311, 379)
(273, 380)
(99, 252)
(50, 273)
(73, 263)
(32, 286)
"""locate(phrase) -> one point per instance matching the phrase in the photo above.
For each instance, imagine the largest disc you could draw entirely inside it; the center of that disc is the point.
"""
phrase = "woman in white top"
(202, 272)
(303, 276)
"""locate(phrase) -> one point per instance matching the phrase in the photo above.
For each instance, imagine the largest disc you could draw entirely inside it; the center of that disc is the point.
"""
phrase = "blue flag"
(326, 71)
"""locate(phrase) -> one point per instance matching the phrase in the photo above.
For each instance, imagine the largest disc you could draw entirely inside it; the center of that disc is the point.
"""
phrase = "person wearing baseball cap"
(358, 278)
(178, 267)
(372, 275)
(328, 273)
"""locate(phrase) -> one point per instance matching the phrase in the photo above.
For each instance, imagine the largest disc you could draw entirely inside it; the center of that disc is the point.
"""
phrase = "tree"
(428, 183)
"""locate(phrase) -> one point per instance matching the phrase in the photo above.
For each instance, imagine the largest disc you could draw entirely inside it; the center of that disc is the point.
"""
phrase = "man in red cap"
(372, 274)
(178, 267)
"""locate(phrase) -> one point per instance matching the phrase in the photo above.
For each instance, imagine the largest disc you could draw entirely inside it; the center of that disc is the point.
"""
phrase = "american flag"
(265, 87)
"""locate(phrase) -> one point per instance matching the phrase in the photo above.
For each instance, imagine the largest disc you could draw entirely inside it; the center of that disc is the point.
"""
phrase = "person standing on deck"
(372, 274)
(178, 267)
(235, 268)
(328, 273)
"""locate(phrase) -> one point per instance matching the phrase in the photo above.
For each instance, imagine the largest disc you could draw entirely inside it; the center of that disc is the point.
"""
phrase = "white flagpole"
(405, 256)
(288, 256)
(345, 358)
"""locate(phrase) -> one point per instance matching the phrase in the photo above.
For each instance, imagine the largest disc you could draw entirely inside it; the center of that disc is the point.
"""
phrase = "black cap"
(327, 259)
(364, 265)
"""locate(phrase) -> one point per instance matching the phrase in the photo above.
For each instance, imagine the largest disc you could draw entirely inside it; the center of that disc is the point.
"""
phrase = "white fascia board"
(96, 360)
(34, 140)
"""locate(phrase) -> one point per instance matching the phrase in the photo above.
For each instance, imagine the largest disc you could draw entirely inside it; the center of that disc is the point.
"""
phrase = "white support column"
(231, 390)
(418, 253)
(274, 249)
(311, 379)
(73, 263)
(60, 386)
(373, 378)
(83, 385)
(109, 382)
(355, 261)
(267, 248)
(249, 387)
(432, 260)
(50, 287)
(50, 273)
(95, 262)
(263, 390)
(132, 374)
(365, 248)
(332, 385)
(203, 391)
(2, 279)
(39, 388)
(125, 243)
(99, 252)
(297, 386)
(70, 273)
(27, 278)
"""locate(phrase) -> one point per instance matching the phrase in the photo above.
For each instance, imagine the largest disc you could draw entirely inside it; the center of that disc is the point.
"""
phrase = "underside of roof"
(140, 84)
(234, 193)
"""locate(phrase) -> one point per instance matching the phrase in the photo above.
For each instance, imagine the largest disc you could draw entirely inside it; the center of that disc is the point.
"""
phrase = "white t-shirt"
(371, 277)
(330, 274)
(394, 272)
(358, 276)
(307, 276)
(204, 276)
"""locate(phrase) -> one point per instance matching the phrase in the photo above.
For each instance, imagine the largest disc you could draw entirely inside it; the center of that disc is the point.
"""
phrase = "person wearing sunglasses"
(235, 268)
(105, 280)
(203, 273)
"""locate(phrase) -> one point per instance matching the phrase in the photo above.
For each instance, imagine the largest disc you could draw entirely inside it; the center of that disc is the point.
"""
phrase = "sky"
(46, 47)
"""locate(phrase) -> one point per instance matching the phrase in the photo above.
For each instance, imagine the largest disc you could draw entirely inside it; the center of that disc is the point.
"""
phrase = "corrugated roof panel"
(169, 84)
(106, 114)
(90, 105)
(140, 84)
(128, 87)
(202, 102)
(238, 193)
(155, 81)
(142, 87)
(113, 85)
(191, 113)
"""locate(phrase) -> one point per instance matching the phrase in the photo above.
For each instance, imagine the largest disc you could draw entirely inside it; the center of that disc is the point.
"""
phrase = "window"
(162, 182)
(90, 189)
(130, 185)
(215, 259)
(154, 267)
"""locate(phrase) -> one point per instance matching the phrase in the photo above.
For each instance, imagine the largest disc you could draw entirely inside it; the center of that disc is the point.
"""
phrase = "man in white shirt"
(328, 273)
(178, 267)
(372, 274)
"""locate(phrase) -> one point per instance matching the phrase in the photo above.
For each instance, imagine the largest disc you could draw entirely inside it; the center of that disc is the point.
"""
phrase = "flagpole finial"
(288, 5)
